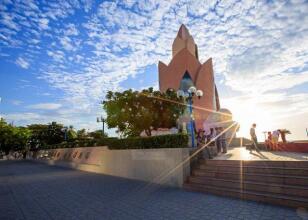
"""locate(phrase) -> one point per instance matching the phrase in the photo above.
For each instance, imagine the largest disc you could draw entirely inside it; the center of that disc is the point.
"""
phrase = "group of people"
(211, 136)
(272, 140)
(216, 136)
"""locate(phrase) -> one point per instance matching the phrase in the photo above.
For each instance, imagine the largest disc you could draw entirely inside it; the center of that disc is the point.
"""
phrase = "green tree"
(6, 133)
(55, 133)
(82, 134)
(20, 138)
(43, 134)
(98, 134)
(13, 138)
(71, 133)
(132, 112)
(38, 137)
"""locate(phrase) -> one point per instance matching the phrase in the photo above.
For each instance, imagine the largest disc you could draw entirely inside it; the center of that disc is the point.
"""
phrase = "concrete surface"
(240, 153)
(151, 165)
(31, 190)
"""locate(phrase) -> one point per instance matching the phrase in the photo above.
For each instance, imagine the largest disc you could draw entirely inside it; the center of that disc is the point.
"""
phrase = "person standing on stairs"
(253, 138)
(223, 141)
(218, 139)
(207, 134)
(200, 138)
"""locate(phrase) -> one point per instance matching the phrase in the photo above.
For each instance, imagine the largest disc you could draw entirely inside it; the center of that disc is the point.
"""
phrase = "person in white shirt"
(275, 137)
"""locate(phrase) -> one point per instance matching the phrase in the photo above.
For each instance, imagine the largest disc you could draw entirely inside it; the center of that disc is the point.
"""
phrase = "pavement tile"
(30, 190)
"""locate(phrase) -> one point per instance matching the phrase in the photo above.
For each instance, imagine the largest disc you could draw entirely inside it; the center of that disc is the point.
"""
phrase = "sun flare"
(246, 114)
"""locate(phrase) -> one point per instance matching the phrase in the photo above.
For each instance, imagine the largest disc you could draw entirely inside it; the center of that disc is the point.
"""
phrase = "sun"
(246, 114)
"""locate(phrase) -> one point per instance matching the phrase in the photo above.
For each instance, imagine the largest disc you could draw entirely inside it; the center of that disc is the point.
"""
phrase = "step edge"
(272, 195)
(259, 167)
(257, 183)
(255, 174)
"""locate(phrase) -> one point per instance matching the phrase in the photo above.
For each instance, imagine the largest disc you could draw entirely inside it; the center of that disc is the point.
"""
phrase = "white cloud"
(71, 30)
(87, 4)
(67, 44)
(257, 47)
(8, 21)
(45, 106)
(16, 102)
(22, 63)
(58, 55)
(43, 23)
(25, 117)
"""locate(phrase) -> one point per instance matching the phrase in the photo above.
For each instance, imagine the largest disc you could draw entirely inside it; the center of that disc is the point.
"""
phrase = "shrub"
(162, 141)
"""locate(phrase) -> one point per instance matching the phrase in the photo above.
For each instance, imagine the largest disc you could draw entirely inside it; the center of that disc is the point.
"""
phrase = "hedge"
(162, 141)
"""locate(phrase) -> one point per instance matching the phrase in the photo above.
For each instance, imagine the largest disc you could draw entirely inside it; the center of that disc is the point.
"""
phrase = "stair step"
(299, 191)
(261, 163)
(257, 169)
(258, 177)
(250, 195)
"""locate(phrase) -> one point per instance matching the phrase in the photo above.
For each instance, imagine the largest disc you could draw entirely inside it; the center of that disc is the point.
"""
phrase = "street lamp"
(103, 120)
(188, 96)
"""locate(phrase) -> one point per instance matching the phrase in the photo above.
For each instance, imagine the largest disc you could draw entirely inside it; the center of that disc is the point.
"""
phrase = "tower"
(185, 70)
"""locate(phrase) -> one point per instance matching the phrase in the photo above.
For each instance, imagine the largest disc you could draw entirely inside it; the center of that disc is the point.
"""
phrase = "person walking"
(253, 138)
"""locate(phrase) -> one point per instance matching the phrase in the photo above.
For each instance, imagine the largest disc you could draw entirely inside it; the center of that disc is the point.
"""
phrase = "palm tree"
(283, 133)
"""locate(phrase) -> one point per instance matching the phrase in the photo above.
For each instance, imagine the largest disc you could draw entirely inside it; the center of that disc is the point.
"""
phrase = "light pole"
(103, 120)
(188, 96)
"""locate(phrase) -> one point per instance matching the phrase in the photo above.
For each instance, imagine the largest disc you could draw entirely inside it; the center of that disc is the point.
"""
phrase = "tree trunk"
(283, 137)
(148, 132)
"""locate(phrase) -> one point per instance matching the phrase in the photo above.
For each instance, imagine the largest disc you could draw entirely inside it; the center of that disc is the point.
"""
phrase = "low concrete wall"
(162, 166)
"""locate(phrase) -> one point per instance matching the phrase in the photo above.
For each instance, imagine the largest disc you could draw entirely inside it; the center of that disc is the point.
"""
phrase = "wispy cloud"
(16, 102)
(257, 47)
(45, 106)
(23, 117)
(43, 23)
(71, 30)
(66, 42)
(22, 63)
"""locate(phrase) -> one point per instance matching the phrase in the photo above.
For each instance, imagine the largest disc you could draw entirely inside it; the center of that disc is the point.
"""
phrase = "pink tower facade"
(185, 65)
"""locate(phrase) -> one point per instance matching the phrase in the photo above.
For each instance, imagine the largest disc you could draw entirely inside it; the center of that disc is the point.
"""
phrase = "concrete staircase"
(275, 182)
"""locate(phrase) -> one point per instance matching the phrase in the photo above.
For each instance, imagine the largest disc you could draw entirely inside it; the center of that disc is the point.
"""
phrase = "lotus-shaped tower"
(185, 70)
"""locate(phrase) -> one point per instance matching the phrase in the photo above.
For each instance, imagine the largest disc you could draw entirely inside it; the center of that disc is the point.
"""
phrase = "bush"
(162, 141)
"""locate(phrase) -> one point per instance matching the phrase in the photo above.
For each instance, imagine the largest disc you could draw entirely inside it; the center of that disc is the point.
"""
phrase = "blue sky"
(58, 59)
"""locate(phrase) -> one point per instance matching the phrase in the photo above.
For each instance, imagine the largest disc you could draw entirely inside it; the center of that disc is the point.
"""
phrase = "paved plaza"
(30, 190)
(240, 153)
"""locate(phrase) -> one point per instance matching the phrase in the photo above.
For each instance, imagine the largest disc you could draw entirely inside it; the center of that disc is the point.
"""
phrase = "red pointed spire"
(183, 32)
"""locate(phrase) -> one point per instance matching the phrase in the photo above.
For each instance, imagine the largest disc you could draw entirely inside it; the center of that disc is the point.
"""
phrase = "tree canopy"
(52, 133)
(11, 137)
(132, 112)
(34, 136)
